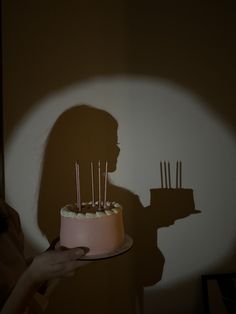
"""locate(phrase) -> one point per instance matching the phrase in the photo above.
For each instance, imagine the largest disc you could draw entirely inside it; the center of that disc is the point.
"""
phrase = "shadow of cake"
(170, 203)
(178, 199)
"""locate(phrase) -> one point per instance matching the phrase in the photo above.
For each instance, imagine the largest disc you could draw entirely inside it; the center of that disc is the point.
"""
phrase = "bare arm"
(47, 266)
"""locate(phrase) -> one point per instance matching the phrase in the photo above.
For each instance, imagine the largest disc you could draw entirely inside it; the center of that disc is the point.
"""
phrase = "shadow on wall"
(114, 285)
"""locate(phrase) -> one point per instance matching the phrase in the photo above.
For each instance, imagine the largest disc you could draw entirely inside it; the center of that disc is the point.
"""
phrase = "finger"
(78, 251)
(85, 249)
(64, 248)
(69, 254)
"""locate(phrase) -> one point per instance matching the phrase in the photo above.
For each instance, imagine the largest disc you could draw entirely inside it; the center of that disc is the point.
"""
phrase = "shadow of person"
(86, 134)
(114, 285)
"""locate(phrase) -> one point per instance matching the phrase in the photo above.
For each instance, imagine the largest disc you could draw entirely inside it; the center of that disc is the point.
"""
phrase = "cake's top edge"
(89, 211)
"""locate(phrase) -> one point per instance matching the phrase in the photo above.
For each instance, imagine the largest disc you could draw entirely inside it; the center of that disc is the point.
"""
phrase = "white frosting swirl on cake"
(71, 210)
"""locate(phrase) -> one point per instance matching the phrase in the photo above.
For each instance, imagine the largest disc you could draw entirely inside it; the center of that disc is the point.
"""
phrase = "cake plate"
(126, 246)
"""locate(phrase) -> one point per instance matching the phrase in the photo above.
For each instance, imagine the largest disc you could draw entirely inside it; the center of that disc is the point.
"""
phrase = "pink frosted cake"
(101, 230)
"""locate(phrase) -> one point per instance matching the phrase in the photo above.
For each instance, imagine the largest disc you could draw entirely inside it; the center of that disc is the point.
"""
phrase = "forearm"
(42, 275)
(21, 296)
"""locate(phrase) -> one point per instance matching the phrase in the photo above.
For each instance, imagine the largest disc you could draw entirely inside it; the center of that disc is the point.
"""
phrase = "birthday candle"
(92, 184)
(99, 184)
(78, 200)
(105, 185)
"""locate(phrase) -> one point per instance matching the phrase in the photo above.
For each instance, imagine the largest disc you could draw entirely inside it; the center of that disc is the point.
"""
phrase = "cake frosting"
(99, 229)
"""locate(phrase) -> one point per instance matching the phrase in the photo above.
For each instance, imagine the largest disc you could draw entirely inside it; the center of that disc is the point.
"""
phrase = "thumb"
(81, 251)
(75, 253)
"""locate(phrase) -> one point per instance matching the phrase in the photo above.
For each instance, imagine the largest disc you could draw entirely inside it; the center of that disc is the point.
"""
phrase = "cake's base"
(101, 232)
(126, 246)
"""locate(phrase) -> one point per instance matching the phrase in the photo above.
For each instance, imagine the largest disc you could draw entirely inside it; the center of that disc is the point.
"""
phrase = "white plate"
(127, 245)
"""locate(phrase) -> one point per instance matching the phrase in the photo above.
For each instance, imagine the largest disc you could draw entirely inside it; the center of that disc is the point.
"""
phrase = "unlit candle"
(99, 184)
(105, 185)
(78, 199)
(92, 184)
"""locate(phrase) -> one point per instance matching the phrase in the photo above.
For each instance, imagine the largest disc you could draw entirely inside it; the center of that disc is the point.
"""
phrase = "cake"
(99, 229)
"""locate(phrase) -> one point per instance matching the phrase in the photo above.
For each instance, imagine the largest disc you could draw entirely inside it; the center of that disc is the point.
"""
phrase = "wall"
(165, 72)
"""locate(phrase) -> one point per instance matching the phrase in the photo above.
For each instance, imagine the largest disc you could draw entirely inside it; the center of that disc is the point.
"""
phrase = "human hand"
(55, 264)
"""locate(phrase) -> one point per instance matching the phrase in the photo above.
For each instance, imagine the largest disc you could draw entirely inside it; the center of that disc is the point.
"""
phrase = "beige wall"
(165, 72)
